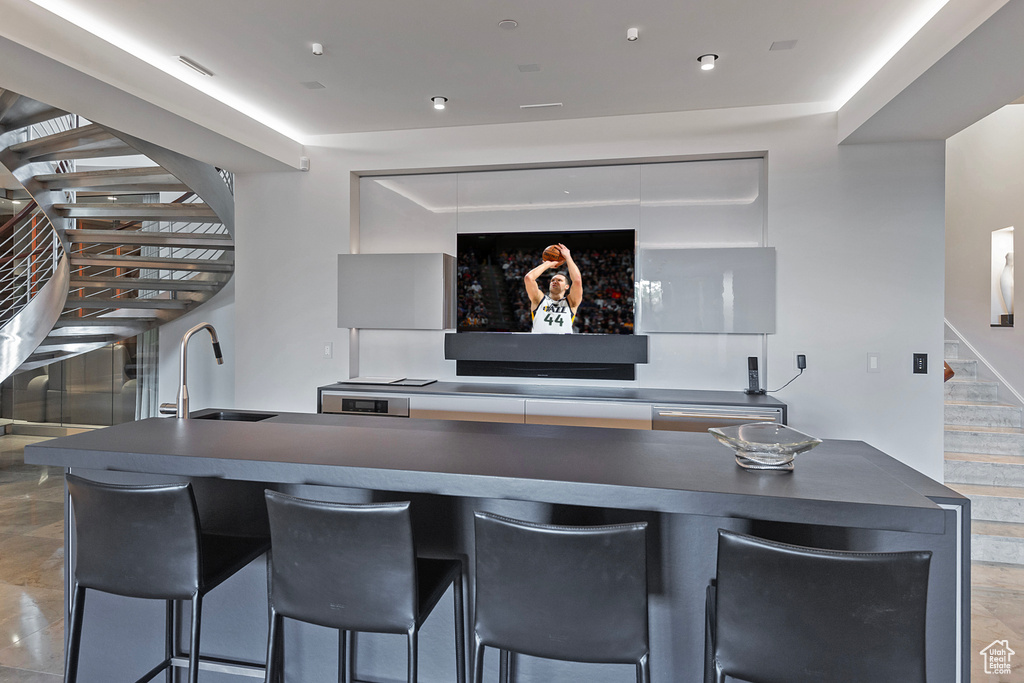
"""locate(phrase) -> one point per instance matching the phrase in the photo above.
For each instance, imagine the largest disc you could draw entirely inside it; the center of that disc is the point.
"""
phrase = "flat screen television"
(491, 295)
(494, 319)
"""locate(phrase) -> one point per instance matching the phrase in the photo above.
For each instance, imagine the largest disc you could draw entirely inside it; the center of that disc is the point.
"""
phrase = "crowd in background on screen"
(607, 305)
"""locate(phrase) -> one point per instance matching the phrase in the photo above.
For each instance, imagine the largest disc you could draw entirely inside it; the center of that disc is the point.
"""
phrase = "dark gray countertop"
(842, 483)
(658, 396)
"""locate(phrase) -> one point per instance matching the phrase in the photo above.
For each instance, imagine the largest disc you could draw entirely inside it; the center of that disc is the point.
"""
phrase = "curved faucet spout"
(181, 404)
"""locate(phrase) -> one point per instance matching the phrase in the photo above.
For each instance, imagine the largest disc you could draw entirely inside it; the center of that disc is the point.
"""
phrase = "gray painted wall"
(858, 232)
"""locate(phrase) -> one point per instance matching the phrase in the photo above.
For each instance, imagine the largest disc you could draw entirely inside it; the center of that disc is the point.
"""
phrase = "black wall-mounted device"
(920, 363)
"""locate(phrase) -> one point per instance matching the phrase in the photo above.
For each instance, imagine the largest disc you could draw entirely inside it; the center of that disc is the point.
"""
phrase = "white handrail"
(962, 339)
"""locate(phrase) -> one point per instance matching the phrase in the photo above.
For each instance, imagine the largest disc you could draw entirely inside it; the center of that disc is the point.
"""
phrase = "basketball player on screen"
(554, 312)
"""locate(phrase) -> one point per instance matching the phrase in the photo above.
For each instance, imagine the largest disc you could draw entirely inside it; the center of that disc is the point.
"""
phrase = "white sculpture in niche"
(1006, 284)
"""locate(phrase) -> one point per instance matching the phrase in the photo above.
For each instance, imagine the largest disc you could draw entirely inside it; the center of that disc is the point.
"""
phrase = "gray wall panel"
(708, 290)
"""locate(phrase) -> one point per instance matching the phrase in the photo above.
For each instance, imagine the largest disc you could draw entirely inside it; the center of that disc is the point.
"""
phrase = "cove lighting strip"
(169, 64)
(888, 50)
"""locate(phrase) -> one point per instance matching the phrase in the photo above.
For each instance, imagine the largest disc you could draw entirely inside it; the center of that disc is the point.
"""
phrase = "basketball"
(552, 253)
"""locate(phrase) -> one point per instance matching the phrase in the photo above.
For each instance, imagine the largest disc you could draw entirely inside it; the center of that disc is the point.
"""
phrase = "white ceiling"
(385, 59)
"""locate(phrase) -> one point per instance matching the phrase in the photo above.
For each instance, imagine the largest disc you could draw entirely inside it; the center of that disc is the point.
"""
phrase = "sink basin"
(234, 416)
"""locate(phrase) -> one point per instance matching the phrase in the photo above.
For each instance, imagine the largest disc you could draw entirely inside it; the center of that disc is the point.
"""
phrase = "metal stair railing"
(229, 179)
(28, 257)
(53, 126)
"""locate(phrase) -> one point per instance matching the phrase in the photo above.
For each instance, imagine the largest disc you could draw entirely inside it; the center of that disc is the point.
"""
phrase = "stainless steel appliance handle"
(730, 416)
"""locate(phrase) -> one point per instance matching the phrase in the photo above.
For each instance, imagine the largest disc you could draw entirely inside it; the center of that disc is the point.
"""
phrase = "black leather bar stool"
(570, 593)
(147, 542)
(780, 613)
(354, 568)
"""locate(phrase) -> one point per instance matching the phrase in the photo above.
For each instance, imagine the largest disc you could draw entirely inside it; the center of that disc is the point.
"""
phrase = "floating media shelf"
(570, 356)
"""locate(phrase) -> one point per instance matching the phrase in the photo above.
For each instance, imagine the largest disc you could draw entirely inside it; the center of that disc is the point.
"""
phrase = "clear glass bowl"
(764, 445)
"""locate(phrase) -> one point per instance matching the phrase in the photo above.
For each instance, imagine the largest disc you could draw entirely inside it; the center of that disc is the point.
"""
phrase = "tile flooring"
(32, 567)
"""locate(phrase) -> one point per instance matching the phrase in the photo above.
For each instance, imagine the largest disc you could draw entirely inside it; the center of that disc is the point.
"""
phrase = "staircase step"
(993, 503)
(149, 179)
(141, 318)
(964, 369)
(999, 576)
(86, 142)
(997, 542)
(985, 469)
(37, 356)
(131, 262)
(187, 213)
(131, 304)
(1000, 441)
(185, 240)
(951, 349)
(144, 284)
(971, 390)
(983, 414)
(17, 111)
(60, 341)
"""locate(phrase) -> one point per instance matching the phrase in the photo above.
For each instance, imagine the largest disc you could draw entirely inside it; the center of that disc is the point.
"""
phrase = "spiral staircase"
(119, 235)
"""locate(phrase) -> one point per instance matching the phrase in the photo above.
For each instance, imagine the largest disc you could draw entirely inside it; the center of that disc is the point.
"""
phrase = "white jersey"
(553, 317)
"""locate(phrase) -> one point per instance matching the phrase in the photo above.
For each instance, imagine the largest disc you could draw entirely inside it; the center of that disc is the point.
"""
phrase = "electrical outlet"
(920, 363)
(328, 349)
(801, 361)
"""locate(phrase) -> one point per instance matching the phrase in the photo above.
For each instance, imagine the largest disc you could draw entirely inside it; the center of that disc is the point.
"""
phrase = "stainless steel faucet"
(180, 408)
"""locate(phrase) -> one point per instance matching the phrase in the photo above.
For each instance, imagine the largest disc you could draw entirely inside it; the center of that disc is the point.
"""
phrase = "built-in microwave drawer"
(364, 404)
(694, 418)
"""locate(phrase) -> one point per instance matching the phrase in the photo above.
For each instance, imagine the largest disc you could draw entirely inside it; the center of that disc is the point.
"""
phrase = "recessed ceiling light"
(508, 24)
(707, 62)
(195, 66)
(632, 34)
(439, 102)
(318, 49)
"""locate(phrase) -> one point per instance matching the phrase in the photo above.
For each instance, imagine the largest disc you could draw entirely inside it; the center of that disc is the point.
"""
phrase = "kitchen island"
(843, 494)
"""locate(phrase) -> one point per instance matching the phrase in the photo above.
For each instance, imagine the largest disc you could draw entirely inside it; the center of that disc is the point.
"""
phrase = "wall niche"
(1002, 278)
